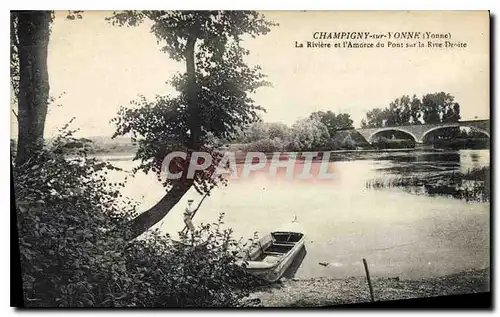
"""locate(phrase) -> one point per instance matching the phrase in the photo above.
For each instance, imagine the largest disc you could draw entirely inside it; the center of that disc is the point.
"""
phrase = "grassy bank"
(330, 291)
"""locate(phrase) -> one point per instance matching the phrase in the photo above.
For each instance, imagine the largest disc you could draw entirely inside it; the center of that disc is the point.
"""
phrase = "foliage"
(308, 134)
(74, 14)
(267, 145)
(346, 143)
(334, 122)
(262, 130)
(400, 112)
(214, 28)
(72, 224)
(374, 118)
(213, 102)
(385, 143)
(440, 107)
(99, 145)
(305, 135)
(278, 130)
(432, 108)
(349, 140)
(256, 131)
(223, 81)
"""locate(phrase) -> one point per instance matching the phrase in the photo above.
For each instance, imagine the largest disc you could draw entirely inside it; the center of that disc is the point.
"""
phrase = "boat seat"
(272, 253)
(284, 244)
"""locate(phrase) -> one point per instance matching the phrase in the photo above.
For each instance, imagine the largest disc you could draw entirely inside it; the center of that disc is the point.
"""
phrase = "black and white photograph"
(250, 159)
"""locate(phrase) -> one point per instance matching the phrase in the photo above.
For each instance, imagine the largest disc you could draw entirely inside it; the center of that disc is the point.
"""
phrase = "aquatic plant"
(474, 185)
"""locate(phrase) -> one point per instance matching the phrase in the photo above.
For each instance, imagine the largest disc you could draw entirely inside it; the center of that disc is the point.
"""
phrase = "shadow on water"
(290, 272)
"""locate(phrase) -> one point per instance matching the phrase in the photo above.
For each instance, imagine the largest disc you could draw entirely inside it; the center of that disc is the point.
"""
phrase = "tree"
(334, 122)
(433, 108)
(440, 107)
(399, 112)
(256, 131)
(30, 32)
(375, 118)
(416, 110)
(309, 134)
(214, 95)
(265, 130)
(278, 130)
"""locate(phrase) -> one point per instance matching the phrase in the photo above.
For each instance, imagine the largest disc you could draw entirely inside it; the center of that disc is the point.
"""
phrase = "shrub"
(348, 144)
(72, 223)
(266, 145)
(309, 135)
(384, 143)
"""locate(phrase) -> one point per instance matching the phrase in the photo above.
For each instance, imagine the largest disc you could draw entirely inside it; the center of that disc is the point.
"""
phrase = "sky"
(96, 67)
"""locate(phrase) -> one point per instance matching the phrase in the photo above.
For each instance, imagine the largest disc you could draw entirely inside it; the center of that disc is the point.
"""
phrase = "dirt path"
(329, 291)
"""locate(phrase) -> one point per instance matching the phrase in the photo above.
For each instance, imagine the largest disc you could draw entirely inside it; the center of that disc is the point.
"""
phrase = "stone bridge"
(419, 132)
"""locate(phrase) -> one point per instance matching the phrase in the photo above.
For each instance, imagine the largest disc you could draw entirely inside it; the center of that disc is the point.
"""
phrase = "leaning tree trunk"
(156, 213)
(33, 32)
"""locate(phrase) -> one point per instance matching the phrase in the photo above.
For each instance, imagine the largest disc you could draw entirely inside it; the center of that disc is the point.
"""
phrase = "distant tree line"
(319, 131)
(325, 130)
(432, 108)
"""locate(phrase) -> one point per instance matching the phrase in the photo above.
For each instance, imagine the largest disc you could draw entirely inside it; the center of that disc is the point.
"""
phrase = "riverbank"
(330, 291)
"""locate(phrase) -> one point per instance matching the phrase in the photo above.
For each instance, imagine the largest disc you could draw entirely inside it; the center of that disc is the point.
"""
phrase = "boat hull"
(271, 266)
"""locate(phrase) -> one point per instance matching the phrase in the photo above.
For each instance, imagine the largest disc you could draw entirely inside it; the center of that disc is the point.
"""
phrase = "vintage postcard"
(250, 159)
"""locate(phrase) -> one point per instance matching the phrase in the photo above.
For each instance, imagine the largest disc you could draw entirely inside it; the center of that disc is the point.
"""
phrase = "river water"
(398, 233)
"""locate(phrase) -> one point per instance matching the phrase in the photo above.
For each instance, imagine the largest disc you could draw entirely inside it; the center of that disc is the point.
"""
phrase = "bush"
(309, 135)
(384, 143)
(266, 145)
(341, 142)
(72, 223)
(348, 144)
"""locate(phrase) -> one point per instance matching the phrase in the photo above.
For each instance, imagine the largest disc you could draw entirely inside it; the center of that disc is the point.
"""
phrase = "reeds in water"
(474, 185)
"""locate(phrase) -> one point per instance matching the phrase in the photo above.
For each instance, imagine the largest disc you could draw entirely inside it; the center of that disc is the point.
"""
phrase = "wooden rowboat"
(274, 253)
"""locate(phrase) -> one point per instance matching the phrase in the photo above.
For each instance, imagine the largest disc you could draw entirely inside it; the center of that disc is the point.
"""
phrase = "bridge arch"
(487, 133)
(370, 138)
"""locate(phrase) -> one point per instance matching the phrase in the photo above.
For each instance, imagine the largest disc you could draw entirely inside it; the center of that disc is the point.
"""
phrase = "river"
(398, 233)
